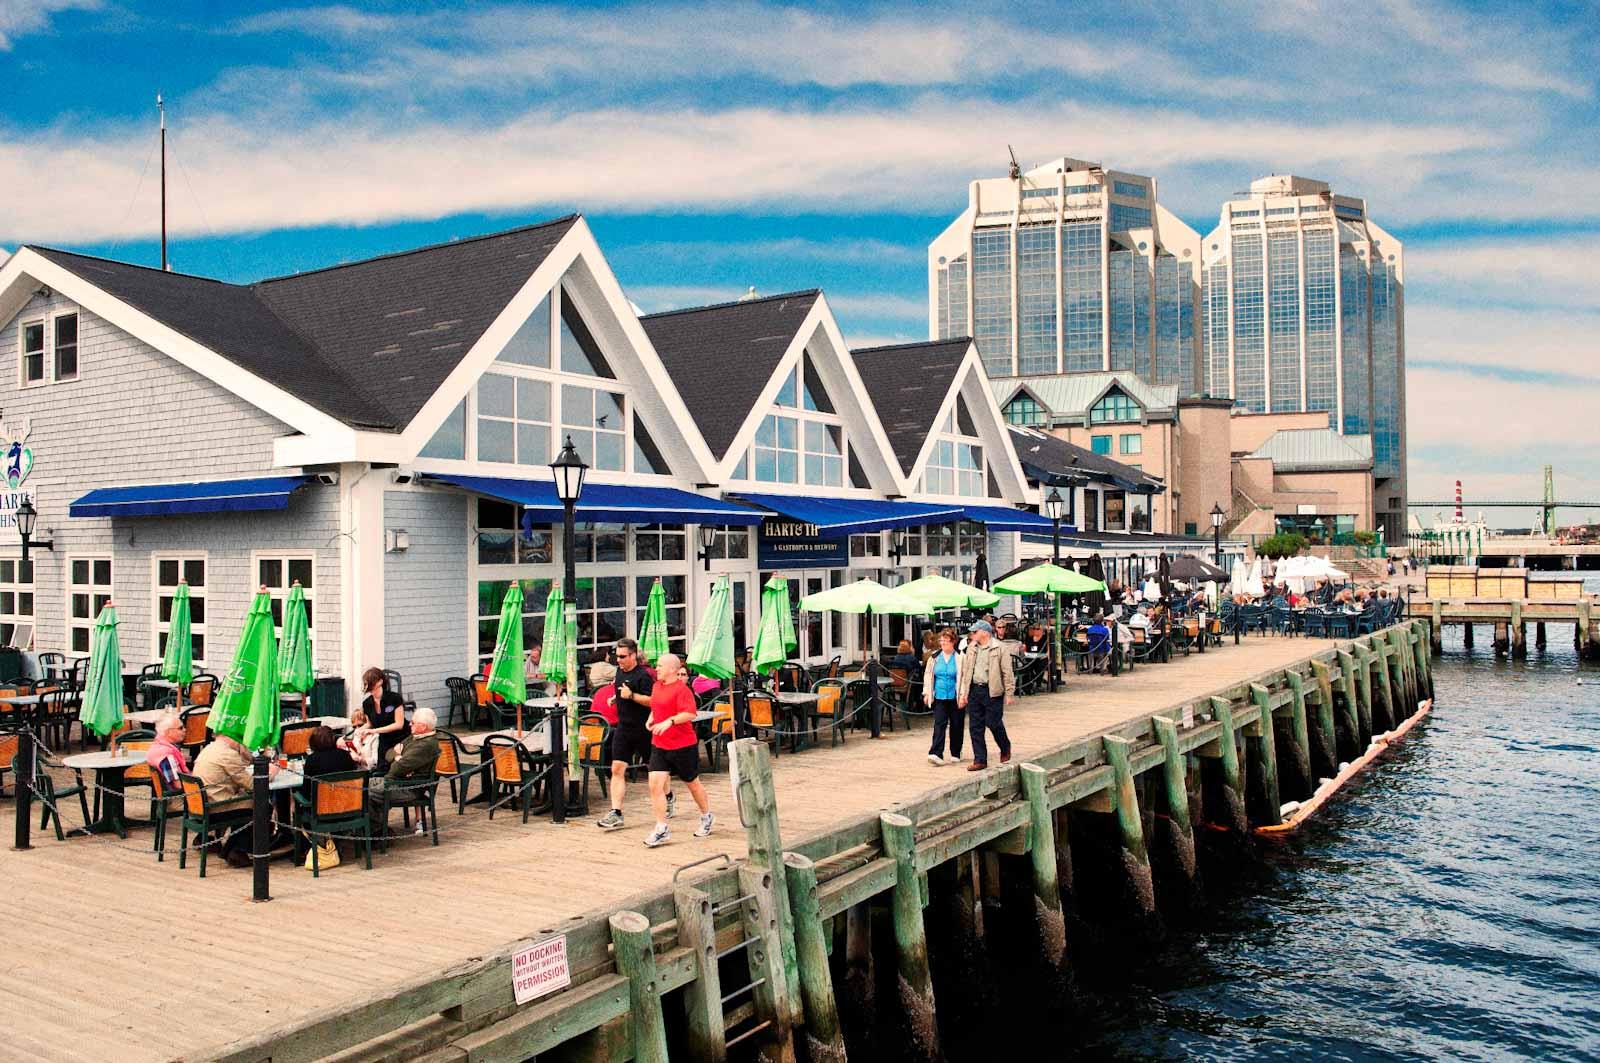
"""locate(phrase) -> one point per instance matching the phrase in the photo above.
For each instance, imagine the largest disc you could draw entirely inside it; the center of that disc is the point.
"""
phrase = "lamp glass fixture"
(708, 536)
(1053, 504)
(27, 519)
(1216, 515)
(569, 471)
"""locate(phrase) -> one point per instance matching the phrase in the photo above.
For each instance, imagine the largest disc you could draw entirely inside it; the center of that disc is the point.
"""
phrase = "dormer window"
(1114, 407)
(1024, 410)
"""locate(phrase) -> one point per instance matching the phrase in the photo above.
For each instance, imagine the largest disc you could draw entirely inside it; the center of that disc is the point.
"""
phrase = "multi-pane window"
(1024, 410)
(991, 298)
(1126, 218)
(169, 571)
(1114, 406)
(491, 596)
(866, 545)
(1128, 188)
(514, 420)
(953, 298)
(677, 607)
(594, 419)
(1319, 313)
(1130, 443)
(807, 442)
(660, 542)
(730, 544)
(1130, 313)
(1116, 517)
(1283, 272)
(88, 591)
(65, 328)
(33, 352)
(595, 543)
(1036, 278)
(1271, 211)
(1244, 213)
(1082, 245)
(1354, 339)
(1174, 363)
(1386, 371)
(502, 540)
(1249, 352)
(16, 603)
(824, 454)
(1100, 444)
(279, 572)
(954, 468)
(1214, 304)
(603, 613)
(777, 450)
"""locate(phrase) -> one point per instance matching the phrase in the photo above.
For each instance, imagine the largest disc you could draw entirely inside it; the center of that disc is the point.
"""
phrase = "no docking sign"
(540, 969)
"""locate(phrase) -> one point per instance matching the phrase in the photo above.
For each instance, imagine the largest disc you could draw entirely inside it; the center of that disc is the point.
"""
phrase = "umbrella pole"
(1055, 641)
(519, 721)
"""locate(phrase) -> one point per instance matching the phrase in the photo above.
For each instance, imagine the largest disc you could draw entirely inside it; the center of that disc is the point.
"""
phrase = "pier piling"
(1325, 732)
(636, 961)
(770, 987)
(1261, 741)
(1227, 753)
(702, 998)
(1376, 669)
(1436, 630)
(758, 805)
(1466, 635)
(824, 1037)
(1135, 854)
(1047, 911)
(1540, 639)
(914, 980)
(1298, 733)
(1519, 631)
(1180, 827)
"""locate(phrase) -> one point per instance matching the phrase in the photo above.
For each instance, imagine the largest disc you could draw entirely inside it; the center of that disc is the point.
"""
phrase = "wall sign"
(18, 458)
(785, 543)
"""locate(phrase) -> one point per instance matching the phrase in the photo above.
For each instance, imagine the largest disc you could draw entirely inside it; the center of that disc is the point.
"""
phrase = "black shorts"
(684, 763)
(630, 745)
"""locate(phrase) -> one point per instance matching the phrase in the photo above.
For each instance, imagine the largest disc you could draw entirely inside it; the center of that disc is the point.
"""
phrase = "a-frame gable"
(970, 386)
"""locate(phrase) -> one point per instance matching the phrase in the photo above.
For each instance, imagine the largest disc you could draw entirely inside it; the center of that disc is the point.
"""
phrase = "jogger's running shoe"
(706, 820)
(611, 820)
(658, 836)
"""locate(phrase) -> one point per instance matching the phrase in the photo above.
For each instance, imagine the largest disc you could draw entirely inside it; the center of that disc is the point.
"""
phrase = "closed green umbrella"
(712, 652)
(553, 652)
(653, 634)
(295, 673)
(942, 592)
(177, 665)
(770, 651)
(506, 675)
(780, 588)
(102, 692)
(246, 708)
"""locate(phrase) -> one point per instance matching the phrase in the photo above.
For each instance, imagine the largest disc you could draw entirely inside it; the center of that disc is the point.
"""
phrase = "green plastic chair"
(329, 804)
(199, 816)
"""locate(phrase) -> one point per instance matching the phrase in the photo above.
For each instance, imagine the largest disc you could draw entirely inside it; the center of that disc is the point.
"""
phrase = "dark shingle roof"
(368, 342)
(908, 383)
(1049, 459)
(721, 357)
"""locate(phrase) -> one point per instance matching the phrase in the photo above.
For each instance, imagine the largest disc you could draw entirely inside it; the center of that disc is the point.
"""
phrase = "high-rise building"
(1304, 311)
(1067, 268)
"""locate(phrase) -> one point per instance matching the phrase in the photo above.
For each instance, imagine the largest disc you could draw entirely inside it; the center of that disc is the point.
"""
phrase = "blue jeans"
(985, 710)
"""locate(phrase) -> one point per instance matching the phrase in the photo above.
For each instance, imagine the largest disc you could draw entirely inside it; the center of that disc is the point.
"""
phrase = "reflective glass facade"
(1249, 348)
(953, 298)
(1283, 273)
(991, 298)
(1082, 245)
(1214, 303)
(1386, 384)
(1125, 218)
(1124, 270)
(1036, 280)
(1354, 338)
(1174, 362)
(1319, 282)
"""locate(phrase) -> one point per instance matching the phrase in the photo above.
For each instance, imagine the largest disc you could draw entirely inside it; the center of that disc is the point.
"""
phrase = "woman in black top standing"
(385, 713)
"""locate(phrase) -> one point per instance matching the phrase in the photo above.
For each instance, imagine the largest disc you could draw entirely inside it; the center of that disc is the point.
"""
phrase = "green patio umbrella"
(773, 645)
(507, 677)
(295, 673)
(1054, 581)
(712, 652)
(102, 691)
(246, 708)
(653, 633)
(780, 588)
(942, 592)
(553, 651)
(177, 665)
(867, 597)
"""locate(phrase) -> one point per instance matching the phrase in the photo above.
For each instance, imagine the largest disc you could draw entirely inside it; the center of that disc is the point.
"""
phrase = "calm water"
(1448, 907)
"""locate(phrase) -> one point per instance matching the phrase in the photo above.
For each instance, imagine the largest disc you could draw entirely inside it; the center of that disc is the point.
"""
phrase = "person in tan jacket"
(224, 769)
(986, 685)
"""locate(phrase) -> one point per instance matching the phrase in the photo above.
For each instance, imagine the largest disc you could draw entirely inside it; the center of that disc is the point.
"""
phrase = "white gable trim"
(28, 268)
(971, 383)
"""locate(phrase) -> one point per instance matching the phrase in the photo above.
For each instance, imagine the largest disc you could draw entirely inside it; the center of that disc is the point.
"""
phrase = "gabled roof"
(1071, 395)
(1050, 460)
(908, 383)
(721, 357)
(1315, 450)
(367, 342)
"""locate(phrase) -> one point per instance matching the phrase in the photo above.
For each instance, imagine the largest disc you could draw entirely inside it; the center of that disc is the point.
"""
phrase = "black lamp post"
(897, 547)
(569, 470)
(708, 539)
(27, 520)
(1216, 531)
(1052, 509)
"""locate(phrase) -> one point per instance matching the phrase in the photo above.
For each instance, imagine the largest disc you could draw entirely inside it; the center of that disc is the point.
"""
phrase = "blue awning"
(608, 503)
(836, 518)
(1006, 519)
(169, 500)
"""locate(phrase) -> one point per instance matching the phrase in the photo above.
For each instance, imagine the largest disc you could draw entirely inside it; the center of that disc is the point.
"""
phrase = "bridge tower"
(1549, 500)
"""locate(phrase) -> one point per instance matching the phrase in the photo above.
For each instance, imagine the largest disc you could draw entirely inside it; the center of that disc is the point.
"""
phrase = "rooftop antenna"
(161, 107)
(1016, 170)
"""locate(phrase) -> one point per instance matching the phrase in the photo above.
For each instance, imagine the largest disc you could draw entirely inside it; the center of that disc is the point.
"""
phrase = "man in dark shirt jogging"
(630, 740)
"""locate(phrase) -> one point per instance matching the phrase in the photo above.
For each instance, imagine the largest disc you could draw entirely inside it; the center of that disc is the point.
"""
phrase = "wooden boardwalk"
(114, 956)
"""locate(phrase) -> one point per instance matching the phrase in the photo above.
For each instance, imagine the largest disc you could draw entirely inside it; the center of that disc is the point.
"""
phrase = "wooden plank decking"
(113, 956)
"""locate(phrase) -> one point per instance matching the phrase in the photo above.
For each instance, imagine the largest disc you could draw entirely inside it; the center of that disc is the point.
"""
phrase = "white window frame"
(44, 352)
(801, 416)
(55, 353)
(948, 433)
(17, 588)
(157, 625)
(94, 590)
(279, 594)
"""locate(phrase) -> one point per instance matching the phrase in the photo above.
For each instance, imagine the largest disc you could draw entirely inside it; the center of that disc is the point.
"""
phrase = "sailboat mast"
(162, 109)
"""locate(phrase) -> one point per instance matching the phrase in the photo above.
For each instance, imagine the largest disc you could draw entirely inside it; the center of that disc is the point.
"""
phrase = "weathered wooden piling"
(914, 980)
(1540, 637)
(1261, 742)
(1179, 826)
(1355, 677)
(1296, 729)
(1377, 670)
(824, 1037)
(702, 998)
(759, 812)
(1135, 855)
(1227, 754)
(1436, 629)
(764, 929)
(1466, 635)
(860, 980)
(1519, 630)
(1424, 659)
(1325, 731)
(1048, 916)
(636, 961)
(1398, 660)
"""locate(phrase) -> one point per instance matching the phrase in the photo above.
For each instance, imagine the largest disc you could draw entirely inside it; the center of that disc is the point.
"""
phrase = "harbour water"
(1447, 908)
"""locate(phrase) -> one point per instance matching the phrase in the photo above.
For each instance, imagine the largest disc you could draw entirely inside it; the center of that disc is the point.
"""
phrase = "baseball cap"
(982, 625)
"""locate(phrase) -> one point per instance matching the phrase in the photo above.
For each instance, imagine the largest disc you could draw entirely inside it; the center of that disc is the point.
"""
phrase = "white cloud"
(19, 18)
(865, 251)
(655, 298)
(1534, 270)
(1533, 341)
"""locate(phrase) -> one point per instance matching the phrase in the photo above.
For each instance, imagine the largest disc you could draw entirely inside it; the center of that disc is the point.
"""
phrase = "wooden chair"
(594, 752)
(294, 739)
(330, 803)
(461, 698)
(512, 772)
(195, 730)
(201, 816)
(482, 698)
(202, 690)
(829, 709)
(453, 769)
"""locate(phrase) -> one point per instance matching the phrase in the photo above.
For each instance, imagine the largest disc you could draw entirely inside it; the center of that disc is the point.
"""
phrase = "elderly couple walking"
(979, 681)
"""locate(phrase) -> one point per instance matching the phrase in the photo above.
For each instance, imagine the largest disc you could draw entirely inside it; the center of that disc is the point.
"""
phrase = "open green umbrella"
(553, 651)
(772, 649)
(942, 592)
(102, 692)
(867, 597)
(177, 664)
(295, 672)
(712, 652)
(1048, 579)
(246, 708)
(653, 634)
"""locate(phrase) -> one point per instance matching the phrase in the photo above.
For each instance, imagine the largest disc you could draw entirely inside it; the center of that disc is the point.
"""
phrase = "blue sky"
(716, 146)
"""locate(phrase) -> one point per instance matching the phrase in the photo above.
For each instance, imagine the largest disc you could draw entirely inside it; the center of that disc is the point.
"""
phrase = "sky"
(719, 146)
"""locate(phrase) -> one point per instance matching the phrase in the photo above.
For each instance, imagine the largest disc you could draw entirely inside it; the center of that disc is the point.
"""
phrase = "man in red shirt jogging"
(674, 747)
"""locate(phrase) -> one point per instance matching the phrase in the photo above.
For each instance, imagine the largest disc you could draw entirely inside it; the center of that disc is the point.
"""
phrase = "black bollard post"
(260, 828)
(24, 764)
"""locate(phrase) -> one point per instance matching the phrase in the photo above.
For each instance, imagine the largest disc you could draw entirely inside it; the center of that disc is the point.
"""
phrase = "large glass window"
(514, 420)
(1214, 307)
(603, 613)
(1387, 385)
(991, 298)
(1249, 350)
(279, 572)
(677, 608)
(88, 591)
(1283, 271)
(16, 603)
(1174, 362)
(1082, 245)
(1354, 335)
(1319, 314)
(776, 451)
(953, 298)
(1100, 444)
(531, 344)
(1130, 443)
(1116, 505)
(954, 468)
(170, 569)
(450, 441)
(1024, 410)
(595, 421)
(1130, 313)
(1128, 188)
(659, 542)
(579, 352)
(1113, 407)
(491, 596)
(1125, 218)
(730, 543)
(807, 445)
(1036, 276)
(503, 540)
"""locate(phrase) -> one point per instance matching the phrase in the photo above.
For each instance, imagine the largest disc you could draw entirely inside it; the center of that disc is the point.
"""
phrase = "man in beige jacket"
(986, 685)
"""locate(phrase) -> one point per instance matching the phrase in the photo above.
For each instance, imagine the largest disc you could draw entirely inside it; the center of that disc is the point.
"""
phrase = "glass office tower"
(1071, 268)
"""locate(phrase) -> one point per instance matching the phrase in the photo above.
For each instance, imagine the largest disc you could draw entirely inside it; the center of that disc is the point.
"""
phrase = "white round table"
(109, 768)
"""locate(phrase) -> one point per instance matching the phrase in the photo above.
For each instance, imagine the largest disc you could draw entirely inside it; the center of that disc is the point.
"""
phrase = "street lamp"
(568, 470)
(897, 547)
(708, 539)
(1217, 517)
(1052, 509)
(27, 520)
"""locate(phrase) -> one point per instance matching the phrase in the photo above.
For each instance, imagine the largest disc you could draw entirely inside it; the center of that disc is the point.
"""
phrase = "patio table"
(109, 768)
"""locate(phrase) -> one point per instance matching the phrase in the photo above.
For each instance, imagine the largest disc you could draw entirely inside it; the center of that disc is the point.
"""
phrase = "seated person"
(905, 657)
(224, 768)
(1036, 641)
(1099, 635)
(1138, 619)
(413, 758)
(165, 755)
(326, 757)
